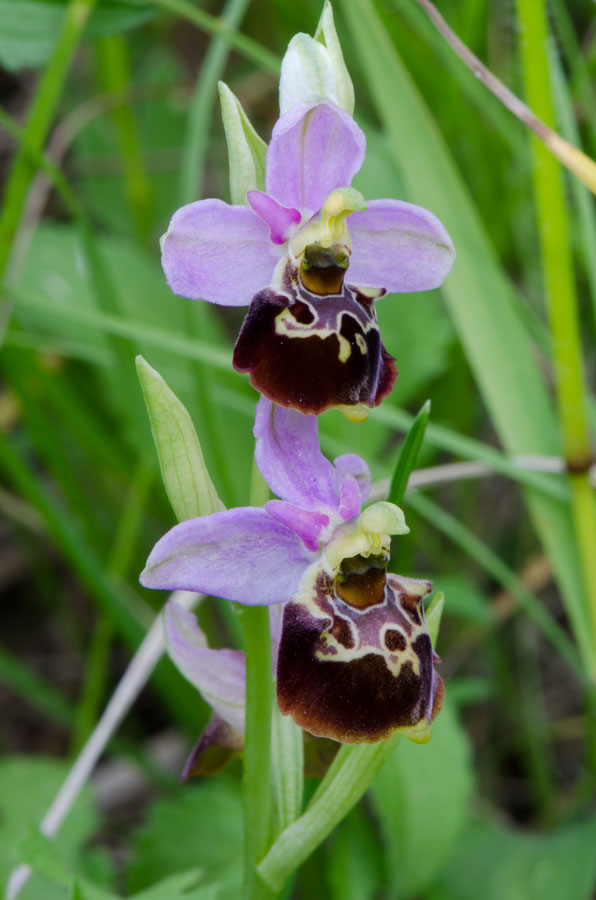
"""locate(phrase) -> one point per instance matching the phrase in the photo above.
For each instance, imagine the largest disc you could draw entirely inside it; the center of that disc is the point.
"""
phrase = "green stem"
(39, 120)
(349, 776)
(114, 75)
(256, 772)
(560, 288)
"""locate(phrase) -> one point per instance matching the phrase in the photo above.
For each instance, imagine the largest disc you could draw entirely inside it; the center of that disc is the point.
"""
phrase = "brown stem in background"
(572, 158)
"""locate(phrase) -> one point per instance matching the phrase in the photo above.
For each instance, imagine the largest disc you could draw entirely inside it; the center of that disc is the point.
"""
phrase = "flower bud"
(313, 69)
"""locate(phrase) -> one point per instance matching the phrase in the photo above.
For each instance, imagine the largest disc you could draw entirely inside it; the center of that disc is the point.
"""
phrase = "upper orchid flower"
(311, 257)
(355, 660)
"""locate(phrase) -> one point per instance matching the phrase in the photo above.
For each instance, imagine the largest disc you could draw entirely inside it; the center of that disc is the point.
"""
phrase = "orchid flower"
(310, 257)
(354, 658)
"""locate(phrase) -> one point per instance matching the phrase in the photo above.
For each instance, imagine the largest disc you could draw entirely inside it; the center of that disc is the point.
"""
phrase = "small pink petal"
(307, 524)
(280, 219)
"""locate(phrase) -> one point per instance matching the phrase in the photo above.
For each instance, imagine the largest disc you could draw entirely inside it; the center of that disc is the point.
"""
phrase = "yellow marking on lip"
(345, 348)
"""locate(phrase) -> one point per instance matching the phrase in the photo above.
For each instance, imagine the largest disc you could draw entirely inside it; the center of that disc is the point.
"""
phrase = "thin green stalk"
(256, 770)
(114, 75)
(582, 199)
(562, 299)
(39, 120)
(250, 49)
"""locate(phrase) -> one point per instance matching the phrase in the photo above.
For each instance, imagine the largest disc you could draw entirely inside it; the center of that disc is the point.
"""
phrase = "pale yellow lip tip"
(419, 734)
(357, 413)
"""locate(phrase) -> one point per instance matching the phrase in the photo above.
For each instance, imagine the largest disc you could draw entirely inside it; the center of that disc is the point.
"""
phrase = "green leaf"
(201, 827)
(183, 885)
(246, 150)
(355, 860)
(185, 476)
(27, 787)
(408, 456)
(494, 863)
(421, 798)
(40, 853)
(29, 28)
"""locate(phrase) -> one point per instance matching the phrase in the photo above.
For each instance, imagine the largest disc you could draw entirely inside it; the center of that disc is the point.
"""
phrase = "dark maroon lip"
(314, 352)
(336, 690)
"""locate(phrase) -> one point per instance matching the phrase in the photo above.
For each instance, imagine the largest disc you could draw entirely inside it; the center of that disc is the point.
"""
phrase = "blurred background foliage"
(501, 802)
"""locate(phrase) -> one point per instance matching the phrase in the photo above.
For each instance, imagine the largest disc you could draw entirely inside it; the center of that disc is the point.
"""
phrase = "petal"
(216, 252)
(290, 459)
(314, 353)
(219, 675)
(398, 246)
(240, 554)
(306, 523)
(218, 745)
(350, 465)
(314, 149)
(357, 672)
(280, 219)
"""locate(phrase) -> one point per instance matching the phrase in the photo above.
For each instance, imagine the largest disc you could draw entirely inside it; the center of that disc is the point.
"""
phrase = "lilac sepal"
(398, 246)
(289, 457)
(350, 464)
(280, 219)
(219, 675)
(241, 554)
(306, 523)
(314, 149)
(216, 252)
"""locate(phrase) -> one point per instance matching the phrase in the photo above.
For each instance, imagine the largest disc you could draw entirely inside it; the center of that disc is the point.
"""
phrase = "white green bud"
(313, 69)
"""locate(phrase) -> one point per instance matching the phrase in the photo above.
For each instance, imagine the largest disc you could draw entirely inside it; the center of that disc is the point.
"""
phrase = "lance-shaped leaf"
(246, 150)
(183, 470)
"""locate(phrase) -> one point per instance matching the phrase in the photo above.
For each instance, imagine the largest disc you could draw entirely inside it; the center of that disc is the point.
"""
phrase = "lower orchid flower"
(354, 657)
(311, 257)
